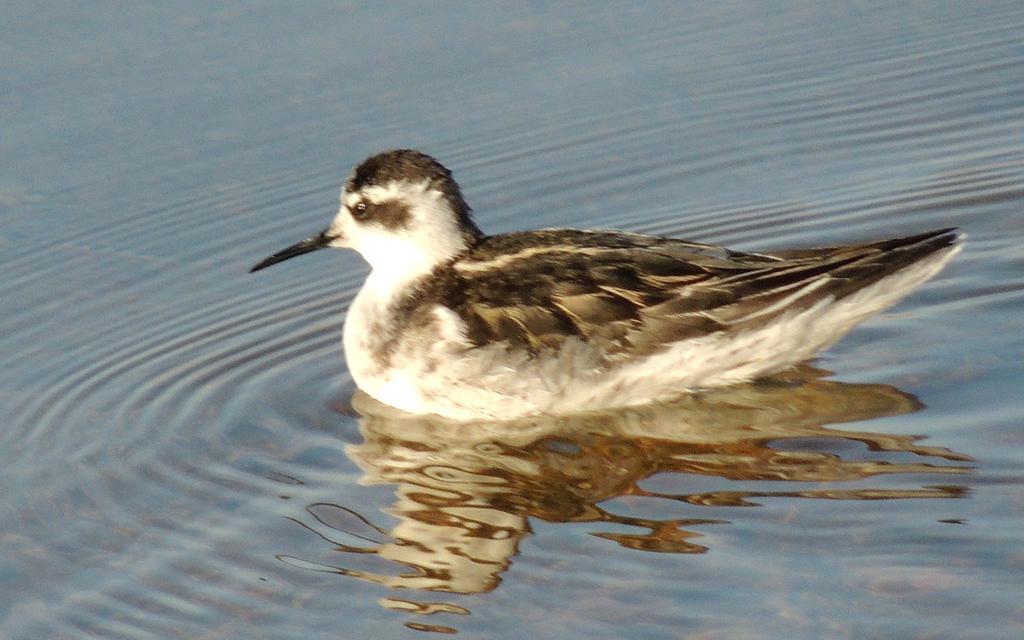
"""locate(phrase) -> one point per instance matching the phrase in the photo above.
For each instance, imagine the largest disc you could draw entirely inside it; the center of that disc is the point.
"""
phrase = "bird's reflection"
(465, 493)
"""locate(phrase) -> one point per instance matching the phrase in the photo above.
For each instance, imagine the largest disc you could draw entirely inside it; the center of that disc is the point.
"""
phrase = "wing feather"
(631, 295)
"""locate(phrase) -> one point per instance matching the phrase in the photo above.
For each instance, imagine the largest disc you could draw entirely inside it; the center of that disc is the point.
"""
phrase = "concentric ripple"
(179, 457)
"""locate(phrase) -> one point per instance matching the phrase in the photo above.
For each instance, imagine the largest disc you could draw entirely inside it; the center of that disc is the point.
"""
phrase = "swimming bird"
(453, 322)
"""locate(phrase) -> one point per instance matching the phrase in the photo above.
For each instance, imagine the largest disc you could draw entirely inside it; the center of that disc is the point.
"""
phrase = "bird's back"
(631, 295)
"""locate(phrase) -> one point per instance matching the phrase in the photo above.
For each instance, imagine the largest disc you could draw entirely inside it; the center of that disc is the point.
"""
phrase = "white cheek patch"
(410, 229)
(398, 206)
(431, 220)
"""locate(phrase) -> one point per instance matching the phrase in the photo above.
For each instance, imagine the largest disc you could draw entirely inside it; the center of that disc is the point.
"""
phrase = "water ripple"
(180, 457)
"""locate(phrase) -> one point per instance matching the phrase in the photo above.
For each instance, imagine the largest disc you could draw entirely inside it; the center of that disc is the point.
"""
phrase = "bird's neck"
(398, 263)
(395, 272)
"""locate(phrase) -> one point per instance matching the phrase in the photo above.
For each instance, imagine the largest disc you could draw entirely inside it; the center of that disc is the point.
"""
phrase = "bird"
(455, 323)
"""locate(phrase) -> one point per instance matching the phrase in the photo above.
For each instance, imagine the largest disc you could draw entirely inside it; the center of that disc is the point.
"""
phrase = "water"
(179, 456)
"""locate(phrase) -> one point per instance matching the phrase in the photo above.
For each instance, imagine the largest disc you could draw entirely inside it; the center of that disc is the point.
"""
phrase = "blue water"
(179, 453)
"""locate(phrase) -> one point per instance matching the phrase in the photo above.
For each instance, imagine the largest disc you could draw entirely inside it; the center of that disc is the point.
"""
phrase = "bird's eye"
(360, 211)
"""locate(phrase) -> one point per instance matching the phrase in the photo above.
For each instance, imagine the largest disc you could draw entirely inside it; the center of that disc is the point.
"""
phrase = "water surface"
(181, 454)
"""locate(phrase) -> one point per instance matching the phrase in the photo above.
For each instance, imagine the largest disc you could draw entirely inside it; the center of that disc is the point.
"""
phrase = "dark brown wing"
(634, 294)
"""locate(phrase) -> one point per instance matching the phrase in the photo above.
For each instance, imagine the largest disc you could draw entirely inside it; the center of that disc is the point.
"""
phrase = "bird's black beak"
(319, 241)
